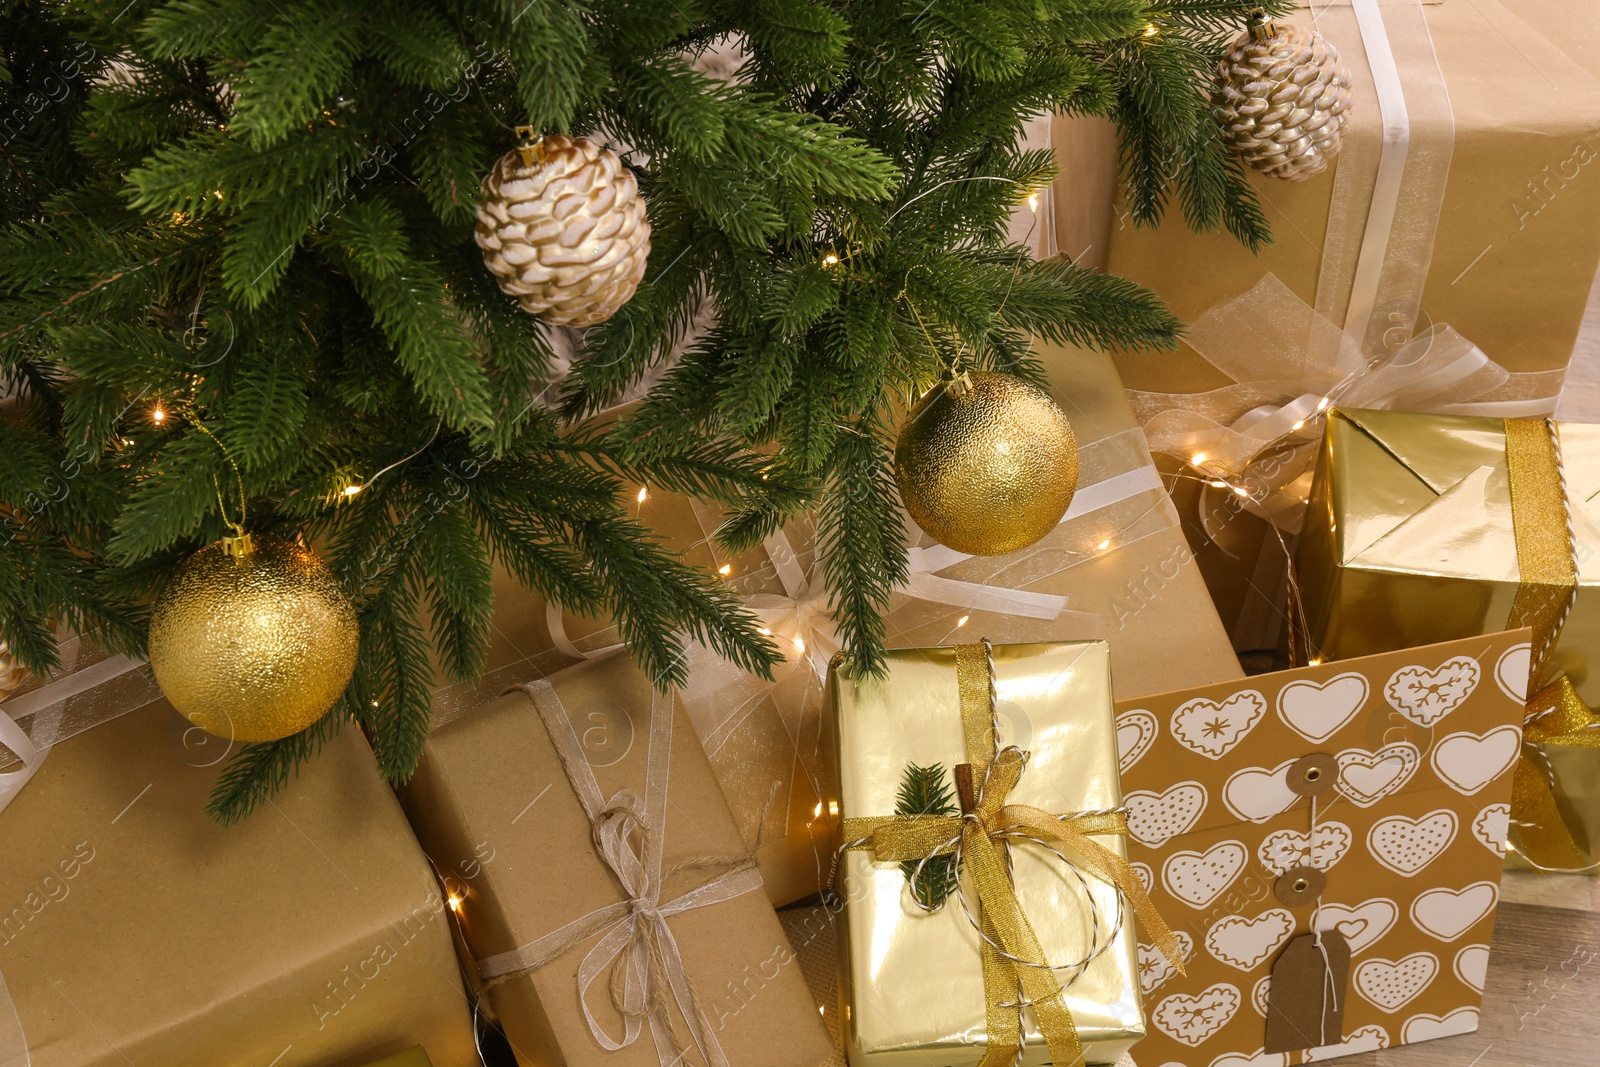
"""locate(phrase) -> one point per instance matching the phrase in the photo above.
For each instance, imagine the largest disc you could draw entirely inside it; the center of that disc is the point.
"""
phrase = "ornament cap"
(959, 385)
(530, 146)
(238, 547)
(1259, 26)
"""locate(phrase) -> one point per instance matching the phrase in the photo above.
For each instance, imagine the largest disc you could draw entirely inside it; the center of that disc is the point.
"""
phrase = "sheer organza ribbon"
(1289, 366)
(635, 936)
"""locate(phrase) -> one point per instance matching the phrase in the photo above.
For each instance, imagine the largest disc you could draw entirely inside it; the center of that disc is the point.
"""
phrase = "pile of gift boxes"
(1137, 849)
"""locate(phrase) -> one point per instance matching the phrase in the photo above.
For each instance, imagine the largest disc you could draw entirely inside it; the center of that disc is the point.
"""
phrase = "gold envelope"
(1409, 541)
(912, 986)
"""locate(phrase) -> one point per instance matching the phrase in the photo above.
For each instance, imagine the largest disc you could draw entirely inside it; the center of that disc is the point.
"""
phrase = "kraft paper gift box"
(1429, 527)
(1366, 800)
(591, 854)
(136, 930)
(913, 983)
(769, 744)
(1512, 137)
(1491, 235)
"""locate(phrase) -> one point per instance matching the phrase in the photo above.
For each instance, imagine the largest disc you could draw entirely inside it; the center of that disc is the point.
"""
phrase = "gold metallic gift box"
(912, 988)
(1409, 540)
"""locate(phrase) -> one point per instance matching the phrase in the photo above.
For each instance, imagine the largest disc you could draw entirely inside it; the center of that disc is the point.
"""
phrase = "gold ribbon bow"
(1548, 585)
(1013, 959)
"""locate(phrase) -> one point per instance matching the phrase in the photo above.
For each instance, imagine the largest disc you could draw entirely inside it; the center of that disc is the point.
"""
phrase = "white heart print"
(1155, 968)
(1511, 672)
(1257, 794)
(1318, 711)
(1261, 993)
(1368, 1038)
(1406, 845)
(1246, 943)
(1136, 732)
(1467, 762)
(1392, 984)
(1472, 965)
(1287, 849)
(1448, 913)
(1142, 872)
(1363, 924)
(1198, 878)
(1192, 1019)
(1156, 818)
(1425, 696)
(1367, 777)
(1234, 1059)
(1492, 826)
(1427, 1027)
(1213, 729)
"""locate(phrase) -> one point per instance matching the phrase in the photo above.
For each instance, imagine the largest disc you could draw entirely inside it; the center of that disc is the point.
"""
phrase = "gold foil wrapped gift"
(1038, 851)
(1427, 528)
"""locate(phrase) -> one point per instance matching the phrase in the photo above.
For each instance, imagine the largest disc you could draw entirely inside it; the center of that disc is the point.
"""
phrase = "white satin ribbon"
(79, 700)
(634, 933)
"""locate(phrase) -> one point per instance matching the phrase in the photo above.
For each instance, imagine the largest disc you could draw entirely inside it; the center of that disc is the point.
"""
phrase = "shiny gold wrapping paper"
(913, 983)
(1409, 541)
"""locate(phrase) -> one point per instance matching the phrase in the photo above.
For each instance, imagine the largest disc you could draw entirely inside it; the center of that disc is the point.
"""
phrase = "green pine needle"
(925, 791)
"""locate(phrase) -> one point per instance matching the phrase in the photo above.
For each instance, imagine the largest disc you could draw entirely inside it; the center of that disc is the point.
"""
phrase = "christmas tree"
(238, 276)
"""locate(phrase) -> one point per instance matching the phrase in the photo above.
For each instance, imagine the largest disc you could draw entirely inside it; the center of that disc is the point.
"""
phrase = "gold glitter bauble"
(986, 468)
(253, 642)
(1283, 100)
(564, 230)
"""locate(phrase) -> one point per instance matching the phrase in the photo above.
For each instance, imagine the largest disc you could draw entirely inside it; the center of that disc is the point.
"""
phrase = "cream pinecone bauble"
(564, 230)
(1283, 100)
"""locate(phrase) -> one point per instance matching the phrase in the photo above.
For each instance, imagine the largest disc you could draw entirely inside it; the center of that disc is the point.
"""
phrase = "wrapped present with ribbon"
(1406, 276)
(1426, 528)
(1463, 194)
(611, 911)
(987, 903)
(1116, 568)
(134, 929)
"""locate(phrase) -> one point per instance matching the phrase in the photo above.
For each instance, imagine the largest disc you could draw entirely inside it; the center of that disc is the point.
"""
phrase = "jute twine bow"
(1013, 959)
(1548, 587)
(637, 950)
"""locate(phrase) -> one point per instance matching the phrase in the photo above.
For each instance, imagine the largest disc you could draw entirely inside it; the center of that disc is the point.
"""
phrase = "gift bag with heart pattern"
(1368, 797)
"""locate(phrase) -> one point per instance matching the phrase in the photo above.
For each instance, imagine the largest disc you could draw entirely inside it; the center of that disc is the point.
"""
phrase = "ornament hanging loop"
(530, 145)
(1259, 26)
(238, 547)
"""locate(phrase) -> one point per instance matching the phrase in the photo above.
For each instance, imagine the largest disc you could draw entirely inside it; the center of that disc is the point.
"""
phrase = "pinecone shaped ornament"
(1283, 100)
(563, 229)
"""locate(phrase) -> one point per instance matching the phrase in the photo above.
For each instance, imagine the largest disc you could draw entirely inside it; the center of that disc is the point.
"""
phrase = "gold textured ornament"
(563, 229)
(1283, 99)
(986, 463)
(253, 639)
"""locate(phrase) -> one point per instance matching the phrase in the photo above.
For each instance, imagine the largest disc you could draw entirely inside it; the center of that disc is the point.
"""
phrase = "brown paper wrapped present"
(1454, 230)
(1117, 569)
(136, 930)
(1327, 844)
(1426, 528)
(1493, 212)
(1025, 735)
(611, 910)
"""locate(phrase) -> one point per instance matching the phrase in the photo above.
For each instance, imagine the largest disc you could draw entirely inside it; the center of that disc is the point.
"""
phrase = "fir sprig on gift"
(925, 791)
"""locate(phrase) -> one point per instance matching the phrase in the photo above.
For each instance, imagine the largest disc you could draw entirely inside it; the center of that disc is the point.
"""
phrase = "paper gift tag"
(1367, 799)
